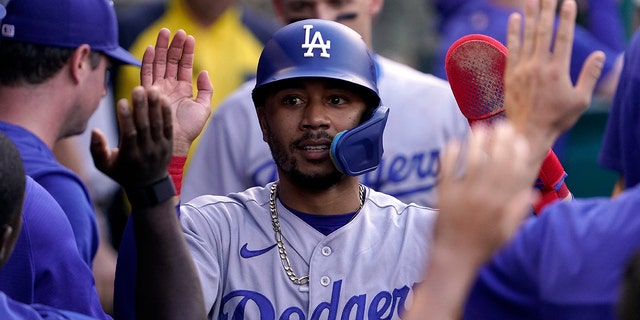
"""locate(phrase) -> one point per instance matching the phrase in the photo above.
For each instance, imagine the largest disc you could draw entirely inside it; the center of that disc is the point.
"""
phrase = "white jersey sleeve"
(232, 156)
(366, 269)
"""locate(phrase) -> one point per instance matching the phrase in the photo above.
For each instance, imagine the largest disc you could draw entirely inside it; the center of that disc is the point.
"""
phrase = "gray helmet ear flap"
(316, 48)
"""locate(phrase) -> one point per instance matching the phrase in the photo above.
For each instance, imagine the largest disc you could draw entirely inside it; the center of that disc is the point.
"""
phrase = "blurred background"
(407, 31)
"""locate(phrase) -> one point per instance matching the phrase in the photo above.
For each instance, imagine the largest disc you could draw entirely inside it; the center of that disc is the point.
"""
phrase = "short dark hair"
(27, 63)
(12, 181)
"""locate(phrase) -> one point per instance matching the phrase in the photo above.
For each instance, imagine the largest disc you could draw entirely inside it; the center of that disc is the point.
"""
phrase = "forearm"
(168, 286)
(448, 278)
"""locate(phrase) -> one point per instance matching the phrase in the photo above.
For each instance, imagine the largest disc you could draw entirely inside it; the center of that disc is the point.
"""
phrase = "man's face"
(299, 122)
(356, 14)
(94, 88)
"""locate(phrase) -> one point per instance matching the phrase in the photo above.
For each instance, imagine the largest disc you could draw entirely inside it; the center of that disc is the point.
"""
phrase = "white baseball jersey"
(364, 270)
(231, 155)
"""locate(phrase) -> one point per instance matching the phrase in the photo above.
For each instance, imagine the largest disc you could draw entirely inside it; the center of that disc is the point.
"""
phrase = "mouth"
(315, 150)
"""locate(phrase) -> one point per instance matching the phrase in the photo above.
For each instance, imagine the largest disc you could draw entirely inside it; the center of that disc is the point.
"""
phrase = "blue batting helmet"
(317, 48)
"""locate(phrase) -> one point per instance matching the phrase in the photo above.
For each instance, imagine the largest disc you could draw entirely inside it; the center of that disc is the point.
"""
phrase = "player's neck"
(338, 199)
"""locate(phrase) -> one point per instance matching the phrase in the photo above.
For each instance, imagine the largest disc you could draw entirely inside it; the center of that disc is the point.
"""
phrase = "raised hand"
(540, 97)
(145, 146)
(484, 194)
(169, 67)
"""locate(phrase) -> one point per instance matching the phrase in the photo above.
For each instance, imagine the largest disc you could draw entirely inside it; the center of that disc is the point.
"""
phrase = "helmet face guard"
(318, 48)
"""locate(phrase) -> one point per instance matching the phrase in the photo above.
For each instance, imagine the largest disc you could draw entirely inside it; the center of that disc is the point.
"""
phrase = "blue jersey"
(568, 263)
(621, 143)
(45, 267)
(12, 310)
(63, 184)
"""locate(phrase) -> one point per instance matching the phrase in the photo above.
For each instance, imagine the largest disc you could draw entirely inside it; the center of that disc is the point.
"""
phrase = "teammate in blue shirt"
(568, 262)
(19, 193)
(620, 151)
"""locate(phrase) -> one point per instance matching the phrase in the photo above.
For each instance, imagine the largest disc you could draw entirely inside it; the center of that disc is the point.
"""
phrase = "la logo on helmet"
(317, 42)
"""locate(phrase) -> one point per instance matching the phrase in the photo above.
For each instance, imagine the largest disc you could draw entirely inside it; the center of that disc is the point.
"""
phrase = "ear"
(79, 63)
(374, 7)
(6, 243)
(262, 118)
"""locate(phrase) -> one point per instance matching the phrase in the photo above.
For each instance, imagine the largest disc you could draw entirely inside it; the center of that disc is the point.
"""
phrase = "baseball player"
(316, 243)
(231, 156)
(308, 245)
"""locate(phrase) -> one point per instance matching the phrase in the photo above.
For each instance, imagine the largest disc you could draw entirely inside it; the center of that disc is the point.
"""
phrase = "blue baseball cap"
(67, 24)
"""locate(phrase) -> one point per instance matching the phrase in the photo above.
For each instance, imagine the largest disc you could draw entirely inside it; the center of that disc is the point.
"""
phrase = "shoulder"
(233, 203)
(387, 203)
(397, 75)
(37, 197)
(43, 217)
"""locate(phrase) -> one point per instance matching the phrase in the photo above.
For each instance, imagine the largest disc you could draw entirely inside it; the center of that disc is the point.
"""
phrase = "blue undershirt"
(325, 224)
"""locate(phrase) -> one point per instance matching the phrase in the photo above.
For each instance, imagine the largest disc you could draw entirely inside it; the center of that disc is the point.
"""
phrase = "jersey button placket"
(326, 251)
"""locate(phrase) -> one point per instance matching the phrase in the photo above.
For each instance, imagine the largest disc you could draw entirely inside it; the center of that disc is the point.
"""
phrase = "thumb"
(205, 89)
(99, 150)
(590, 73)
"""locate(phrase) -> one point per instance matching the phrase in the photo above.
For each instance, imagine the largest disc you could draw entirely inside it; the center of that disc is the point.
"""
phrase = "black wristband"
(150, 195)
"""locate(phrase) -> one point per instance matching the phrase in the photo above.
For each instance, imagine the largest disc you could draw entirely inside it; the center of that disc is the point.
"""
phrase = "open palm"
(169, 66)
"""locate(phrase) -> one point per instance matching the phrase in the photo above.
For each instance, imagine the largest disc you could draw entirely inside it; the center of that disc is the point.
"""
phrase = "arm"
(497, 192)
(542, 102)
(167, 282)
(166, 79)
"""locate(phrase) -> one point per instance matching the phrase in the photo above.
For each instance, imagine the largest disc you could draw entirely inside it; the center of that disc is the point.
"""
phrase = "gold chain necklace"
(286, 264)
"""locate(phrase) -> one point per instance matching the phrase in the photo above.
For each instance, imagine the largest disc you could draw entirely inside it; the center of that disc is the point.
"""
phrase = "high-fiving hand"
(145, 146)
(169, 66)
(540, 98)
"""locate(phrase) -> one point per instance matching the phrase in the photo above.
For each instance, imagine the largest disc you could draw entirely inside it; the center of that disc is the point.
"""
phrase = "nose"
(315, 116)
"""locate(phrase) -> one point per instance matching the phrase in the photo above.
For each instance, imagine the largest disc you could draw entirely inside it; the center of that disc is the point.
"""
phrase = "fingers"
(166, 119)
(128, 133)
(155, 118)
(175, 55)
(205, 89)
(168, 60)
(161, 50)
(99, 150)
(589, 75)
(544, 28)
(146, 70)
(451, 165)
(141, 106)
(530, 18)
(514, 29)
(149, 115)
(475, 151)
(564, 36)
(185, 67)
